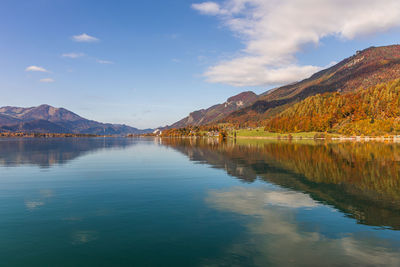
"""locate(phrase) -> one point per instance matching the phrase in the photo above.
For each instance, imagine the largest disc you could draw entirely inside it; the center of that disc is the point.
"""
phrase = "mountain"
(217, 112)
(366, 68)
(8, 120)
(43, 112)
(48, 119)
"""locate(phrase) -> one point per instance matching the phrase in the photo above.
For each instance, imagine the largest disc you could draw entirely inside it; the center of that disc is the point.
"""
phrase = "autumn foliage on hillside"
(374, 111)
(366, 68)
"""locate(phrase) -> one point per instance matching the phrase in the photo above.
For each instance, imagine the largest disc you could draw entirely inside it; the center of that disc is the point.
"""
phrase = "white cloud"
(274, 31)
(73, 55)
(252, 72)
(208, 8)
(36, 68)
(47, 80)
(104, 61)
(84, 38)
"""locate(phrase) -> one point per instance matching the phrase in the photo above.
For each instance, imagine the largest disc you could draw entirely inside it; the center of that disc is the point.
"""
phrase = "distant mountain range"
(365, 69)
(48, 119)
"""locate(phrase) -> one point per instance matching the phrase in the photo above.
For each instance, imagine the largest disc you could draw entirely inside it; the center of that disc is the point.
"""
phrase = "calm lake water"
(153, 202)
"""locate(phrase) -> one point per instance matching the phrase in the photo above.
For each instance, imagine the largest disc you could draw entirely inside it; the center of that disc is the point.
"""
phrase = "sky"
(149, 63)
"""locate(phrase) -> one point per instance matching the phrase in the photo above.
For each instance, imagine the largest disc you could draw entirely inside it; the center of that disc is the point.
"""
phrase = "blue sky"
(155, 61)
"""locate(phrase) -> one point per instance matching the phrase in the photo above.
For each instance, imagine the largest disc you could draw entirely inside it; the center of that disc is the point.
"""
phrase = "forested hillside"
(372, 111)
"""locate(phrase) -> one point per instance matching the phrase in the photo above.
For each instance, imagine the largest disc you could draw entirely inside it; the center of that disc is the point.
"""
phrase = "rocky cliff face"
(217, 112)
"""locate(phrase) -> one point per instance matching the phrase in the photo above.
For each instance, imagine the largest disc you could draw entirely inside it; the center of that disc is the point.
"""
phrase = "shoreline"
(341, 138)
(286, 138)
(283, 137)
(49, 135)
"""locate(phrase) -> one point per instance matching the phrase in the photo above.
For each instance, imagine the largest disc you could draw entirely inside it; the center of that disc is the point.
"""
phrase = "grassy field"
(259, 132)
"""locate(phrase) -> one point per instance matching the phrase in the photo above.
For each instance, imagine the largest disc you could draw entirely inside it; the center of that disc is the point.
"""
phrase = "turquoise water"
(153, 202)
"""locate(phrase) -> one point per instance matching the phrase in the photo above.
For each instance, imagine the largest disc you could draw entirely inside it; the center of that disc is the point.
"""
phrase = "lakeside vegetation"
(259, 133)
(46, 135)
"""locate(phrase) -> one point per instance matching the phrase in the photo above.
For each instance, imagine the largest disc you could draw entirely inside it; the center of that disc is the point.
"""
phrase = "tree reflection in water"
(360, 179)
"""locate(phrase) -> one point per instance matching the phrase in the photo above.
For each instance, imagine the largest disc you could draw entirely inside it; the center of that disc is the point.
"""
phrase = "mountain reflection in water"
(45, 152)
(360, 179)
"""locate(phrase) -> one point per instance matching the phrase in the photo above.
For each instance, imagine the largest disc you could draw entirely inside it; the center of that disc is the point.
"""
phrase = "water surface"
(171, 202)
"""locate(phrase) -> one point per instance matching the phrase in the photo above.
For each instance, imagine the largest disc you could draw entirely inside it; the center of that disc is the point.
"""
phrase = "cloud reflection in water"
(275, 236)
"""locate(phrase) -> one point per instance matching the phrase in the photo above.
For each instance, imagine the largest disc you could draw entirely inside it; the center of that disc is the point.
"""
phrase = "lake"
(198, 202)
